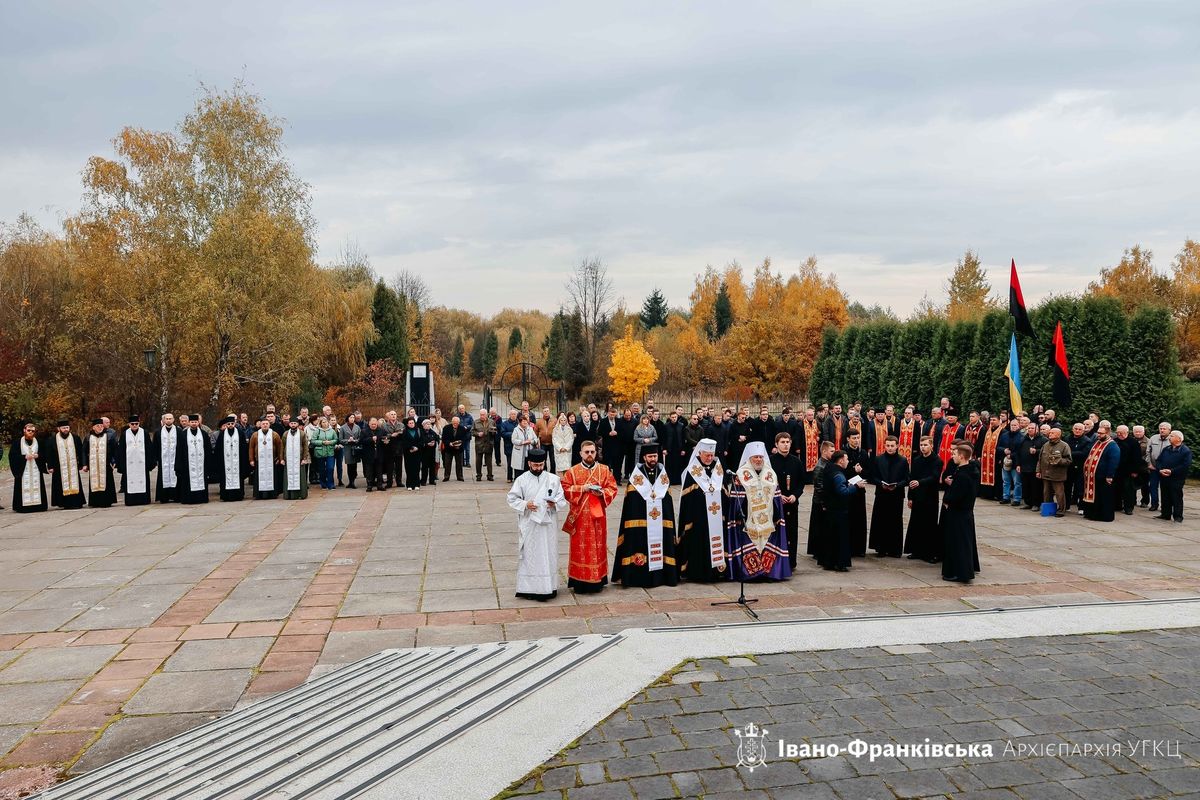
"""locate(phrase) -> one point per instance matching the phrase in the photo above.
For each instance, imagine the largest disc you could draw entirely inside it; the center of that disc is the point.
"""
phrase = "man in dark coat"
(837, 494)
(960, 554)
(1029, 449)
(923, 539)
(790, 471)
(856, 464)
(817, 514)
(1131, 470)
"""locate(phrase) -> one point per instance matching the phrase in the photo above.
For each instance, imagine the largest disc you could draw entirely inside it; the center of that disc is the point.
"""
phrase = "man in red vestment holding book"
(590, 487)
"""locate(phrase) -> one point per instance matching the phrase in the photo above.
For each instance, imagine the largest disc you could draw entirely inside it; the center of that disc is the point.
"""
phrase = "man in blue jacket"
(1174, 463)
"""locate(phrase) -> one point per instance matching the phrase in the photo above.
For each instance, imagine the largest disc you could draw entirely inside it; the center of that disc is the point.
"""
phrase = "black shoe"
(1144, 504)
(340, 483)
(1180, 520)
(1153, 508)
(1130, 513)
(371, 489)
(1162, 516)
(352, 486)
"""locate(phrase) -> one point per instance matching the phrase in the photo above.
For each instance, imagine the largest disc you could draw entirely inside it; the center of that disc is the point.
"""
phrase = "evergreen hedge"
(1123, 367)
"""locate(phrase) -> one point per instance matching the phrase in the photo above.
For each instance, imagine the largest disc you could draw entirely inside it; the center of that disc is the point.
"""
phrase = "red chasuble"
(812, 444)
(949, 434)
(881, 434)
(987, 458)
(587, 522)
(908, 430)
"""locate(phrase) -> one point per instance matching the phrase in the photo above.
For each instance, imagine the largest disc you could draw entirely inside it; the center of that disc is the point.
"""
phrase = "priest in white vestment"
(536, 496)
(28, 466)
(135, 459)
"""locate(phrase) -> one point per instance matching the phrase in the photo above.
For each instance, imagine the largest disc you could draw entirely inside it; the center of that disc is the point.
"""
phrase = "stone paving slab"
(323, 581)
(1029, 707)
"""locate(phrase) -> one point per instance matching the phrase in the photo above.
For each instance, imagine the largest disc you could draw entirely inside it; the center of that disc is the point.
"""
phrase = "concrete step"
(342, 734)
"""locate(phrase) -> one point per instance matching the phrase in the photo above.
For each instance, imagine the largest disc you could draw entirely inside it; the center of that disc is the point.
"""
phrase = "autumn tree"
(967, 290)
(350, 328)
(1185, 279)
(632, 371)
(590, 290)
(185, 240)
(654, 310)
(1134, 281)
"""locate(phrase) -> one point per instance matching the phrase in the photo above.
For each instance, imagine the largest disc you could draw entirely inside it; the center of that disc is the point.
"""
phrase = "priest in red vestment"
(589, 488)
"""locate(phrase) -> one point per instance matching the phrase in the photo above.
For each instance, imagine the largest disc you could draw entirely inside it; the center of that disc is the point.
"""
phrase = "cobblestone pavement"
(120, 627)
(1038, 702)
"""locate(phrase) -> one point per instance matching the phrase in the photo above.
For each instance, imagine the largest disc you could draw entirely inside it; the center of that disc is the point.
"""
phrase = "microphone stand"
(741, 601)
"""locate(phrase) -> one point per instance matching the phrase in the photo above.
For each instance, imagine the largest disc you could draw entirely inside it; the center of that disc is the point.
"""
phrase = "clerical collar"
(587, 465)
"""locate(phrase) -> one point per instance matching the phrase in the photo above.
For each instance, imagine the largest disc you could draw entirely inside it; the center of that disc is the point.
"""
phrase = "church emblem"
(752, 746)
(637, 480)
(655, 513)
(714, 508)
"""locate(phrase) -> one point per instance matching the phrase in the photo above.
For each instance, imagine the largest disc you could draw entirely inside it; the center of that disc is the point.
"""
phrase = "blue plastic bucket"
(1049, 509)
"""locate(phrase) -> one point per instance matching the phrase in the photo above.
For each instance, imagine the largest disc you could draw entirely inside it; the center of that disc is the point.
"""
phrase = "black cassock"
(816, 516)
(631, 564)
(695, 553)
(238, 491)
(856, 506)
(168, 494)
(960, 555)
(100, 498)
(17, 464)
(50, 456)
(924, 539)
(132, 498)
(183, 476)
(835, 538)
(887, 515)
(790, 471)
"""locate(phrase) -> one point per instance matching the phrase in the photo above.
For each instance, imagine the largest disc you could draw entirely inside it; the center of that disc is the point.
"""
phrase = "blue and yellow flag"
(1013, 373)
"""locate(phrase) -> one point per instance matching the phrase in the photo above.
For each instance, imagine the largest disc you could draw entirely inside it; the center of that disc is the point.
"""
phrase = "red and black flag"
(1058, 363)
(1016, 304)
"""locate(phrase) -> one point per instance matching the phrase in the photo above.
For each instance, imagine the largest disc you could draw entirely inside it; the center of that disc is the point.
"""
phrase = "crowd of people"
(742, 477)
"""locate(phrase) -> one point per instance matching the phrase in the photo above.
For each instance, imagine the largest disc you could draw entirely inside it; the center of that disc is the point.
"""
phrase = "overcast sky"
(491, 146)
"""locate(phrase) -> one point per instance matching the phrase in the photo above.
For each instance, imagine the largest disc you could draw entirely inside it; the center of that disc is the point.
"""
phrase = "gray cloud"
(476, 143)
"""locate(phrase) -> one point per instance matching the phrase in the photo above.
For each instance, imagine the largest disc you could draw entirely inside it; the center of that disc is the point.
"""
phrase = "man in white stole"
(135, 459)
(536, 496)
(295, 461)
(64, 460)
(231, 461)
(265, 447)
(166, 446)
(756, 536)
(25, 461)
(645, 554)
(102, 491)
(192, 464)
(702, 517)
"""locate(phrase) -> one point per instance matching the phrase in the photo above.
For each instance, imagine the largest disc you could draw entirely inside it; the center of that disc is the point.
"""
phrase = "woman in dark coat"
(960, 555)
(923, 539)
(430, 441)
(411, 444)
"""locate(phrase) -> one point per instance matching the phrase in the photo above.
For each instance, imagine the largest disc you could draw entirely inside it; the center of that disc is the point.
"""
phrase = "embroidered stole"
(233, 460)
(652, 492)
(710, 486)
(167, 441)
(31, 477)
(1090, 466)
(98, 463)
(812, 445)
(760, 491)
(68, 464)
(292, 451)
(987, 459)
(949, 434)
(135, 463)
(905, 444)
(266, 462)
(195, 458)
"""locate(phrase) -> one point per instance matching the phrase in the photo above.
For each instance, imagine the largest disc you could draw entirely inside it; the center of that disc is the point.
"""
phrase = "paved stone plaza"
(1033, 700)
(120, 627)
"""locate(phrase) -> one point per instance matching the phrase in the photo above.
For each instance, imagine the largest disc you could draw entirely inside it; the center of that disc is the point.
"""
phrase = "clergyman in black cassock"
(701, 551)
(100, 458)
(838, 494)
(816, 517)
(231, 461)
(887, 516)
(856, 464)
(960, 554)
(790, 471)
(169, 481)
(924, 538)
(135, 459)
(64, 460)
(193, 463)
(645, 554)
(25, 460)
